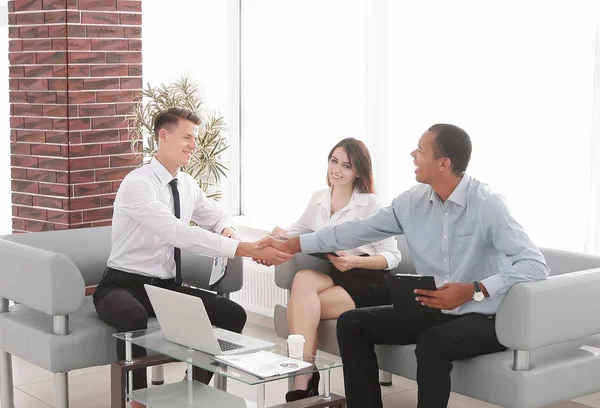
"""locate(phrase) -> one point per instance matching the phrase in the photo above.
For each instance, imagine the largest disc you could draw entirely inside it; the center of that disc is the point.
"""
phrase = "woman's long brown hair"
(360, 161)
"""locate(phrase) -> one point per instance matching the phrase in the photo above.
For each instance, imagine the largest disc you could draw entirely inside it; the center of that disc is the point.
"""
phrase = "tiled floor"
(89, 388)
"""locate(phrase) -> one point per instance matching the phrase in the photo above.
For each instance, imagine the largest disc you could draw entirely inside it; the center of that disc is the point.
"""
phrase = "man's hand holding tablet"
(448, 296)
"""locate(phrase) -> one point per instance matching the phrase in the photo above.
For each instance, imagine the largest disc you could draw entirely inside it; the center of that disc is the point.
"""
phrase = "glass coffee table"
(196, 394)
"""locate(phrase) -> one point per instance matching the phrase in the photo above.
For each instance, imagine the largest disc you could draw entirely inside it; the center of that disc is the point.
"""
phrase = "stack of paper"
(263, 363)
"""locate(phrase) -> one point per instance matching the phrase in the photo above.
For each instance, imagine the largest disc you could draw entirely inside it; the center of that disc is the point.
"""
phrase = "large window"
(303, 90)
(518, 76)
(199, 39)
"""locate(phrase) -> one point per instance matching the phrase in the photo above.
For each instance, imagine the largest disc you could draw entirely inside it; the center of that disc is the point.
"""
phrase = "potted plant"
(206, 166)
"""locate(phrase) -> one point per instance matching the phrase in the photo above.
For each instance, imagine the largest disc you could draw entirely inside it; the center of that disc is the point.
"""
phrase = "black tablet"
(402, 290)
(323, 255)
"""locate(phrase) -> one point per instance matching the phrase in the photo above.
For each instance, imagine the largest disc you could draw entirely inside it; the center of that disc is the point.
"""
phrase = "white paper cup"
(295, 343)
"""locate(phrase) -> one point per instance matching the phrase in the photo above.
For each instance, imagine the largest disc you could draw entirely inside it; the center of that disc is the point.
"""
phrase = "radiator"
(259, 294)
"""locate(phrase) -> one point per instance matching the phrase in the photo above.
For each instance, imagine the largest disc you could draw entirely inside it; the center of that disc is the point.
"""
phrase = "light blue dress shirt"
(472, 236)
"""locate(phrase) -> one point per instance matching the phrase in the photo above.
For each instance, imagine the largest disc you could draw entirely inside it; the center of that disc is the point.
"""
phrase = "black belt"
(135, 278)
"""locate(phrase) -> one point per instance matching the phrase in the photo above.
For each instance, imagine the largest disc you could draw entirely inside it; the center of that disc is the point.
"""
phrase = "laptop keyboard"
(228, 346)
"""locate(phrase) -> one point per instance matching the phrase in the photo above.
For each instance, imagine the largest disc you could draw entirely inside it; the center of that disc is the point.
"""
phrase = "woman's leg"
(304, 311)
(334, 302)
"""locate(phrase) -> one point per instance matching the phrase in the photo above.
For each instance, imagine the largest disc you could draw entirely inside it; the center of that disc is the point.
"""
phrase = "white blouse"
(361, 205)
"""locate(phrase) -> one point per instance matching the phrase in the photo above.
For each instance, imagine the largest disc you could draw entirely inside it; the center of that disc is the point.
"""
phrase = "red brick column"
(75, 69)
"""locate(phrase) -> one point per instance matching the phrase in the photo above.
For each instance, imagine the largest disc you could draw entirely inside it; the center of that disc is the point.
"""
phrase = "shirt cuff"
(308, 243)
(390, 259)
(229, 247)
(494, 285)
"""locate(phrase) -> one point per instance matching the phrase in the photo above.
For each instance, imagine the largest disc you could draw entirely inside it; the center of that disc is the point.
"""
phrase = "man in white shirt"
(151, 224)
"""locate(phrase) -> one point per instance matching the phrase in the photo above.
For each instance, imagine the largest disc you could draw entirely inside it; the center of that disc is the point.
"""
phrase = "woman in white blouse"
(356, 277)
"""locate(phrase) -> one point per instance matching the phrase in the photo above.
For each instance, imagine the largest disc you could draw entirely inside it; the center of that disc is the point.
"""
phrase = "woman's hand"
(345, 261)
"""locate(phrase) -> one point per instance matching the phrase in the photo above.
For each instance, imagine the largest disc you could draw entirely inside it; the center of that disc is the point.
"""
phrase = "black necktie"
(173, 184)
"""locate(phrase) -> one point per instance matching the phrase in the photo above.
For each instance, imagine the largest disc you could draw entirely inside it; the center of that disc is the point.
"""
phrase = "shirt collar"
(459, 195)
(161, 172)
(357, 199)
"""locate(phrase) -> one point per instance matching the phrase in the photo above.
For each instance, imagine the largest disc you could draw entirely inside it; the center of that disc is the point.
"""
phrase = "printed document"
(218, 270)
(263, 364)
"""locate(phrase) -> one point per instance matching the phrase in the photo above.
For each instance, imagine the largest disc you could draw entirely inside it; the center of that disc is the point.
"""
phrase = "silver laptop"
(183, 320)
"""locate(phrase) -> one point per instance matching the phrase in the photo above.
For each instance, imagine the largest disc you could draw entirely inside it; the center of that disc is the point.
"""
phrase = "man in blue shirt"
(458, 230)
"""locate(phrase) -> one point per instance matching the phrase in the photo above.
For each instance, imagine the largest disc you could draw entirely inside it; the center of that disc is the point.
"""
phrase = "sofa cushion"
(87, 248)
(28, 334)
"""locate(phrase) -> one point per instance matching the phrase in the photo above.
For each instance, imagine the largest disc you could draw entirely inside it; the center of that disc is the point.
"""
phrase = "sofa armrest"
(196, 271)
(43, 280)
(555, 310)
(284, 273)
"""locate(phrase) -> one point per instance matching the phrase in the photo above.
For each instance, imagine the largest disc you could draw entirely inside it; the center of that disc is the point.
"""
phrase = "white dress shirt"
(361, 205)
(145, 230)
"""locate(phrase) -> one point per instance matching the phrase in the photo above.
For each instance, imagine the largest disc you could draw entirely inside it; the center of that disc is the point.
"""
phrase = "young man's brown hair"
(171, 117)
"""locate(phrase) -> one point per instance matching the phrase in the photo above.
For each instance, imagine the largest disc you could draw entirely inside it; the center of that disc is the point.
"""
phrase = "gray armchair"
(54, 325)
(544, 324)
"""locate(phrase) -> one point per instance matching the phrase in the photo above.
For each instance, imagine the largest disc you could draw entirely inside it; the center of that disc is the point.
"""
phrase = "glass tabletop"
(153, 339)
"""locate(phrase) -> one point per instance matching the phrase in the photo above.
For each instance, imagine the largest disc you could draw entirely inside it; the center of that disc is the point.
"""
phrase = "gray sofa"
(544, 325)
(54, 325)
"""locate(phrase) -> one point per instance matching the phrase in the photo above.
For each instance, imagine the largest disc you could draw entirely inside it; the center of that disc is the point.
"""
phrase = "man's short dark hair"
(454, 143)
(171, 117)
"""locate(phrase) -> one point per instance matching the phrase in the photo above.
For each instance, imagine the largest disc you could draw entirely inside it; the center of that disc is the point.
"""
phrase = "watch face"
(478, 296)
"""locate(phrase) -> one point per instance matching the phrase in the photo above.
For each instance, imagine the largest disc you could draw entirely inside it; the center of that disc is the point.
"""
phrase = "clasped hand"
(447, 297)
(270, 256)
(271, 243)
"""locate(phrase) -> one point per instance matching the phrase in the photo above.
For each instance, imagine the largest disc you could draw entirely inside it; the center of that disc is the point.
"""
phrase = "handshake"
(281, 245)
(274, 249)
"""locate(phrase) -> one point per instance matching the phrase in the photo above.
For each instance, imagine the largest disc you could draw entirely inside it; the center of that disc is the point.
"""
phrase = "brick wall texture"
(75, 69)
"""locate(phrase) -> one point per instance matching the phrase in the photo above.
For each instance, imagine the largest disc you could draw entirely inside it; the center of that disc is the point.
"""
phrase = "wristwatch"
(478, 295)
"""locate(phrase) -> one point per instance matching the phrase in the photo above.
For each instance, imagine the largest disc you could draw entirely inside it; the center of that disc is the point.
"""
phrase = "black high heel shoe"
(310, 391)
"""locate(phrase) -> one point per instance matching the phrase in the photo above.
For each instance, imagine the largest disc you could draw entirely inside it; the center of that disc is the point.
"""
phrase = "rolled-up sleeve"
(388, 248)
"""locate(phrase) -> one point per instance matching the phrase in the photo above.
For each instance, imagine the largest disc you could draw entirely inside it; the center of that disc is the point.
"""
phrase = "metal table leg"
(327, 383)
(128, 361)
(260, 400)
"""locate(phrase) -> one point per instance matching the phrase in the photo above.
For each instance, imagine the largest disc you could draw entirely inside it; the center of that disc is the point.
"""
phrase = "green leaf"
(205, 166)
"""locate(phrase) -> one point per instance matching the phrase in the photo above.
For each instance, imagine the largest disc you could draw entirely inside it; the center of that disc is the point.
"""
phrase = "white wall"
(5, 201)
